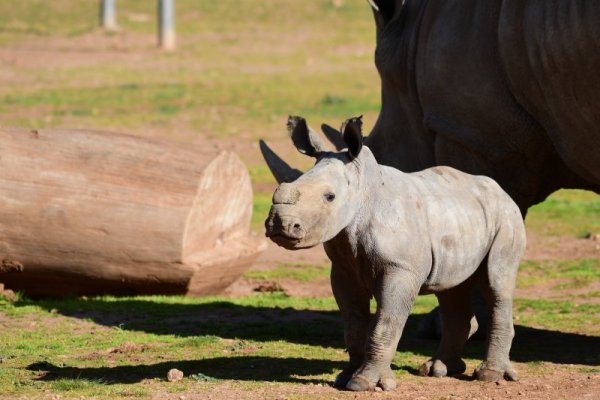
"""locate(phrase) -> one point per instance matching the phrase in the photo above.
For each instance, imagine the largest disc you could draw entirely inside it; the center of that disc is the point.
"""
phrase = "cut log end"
(221, 212)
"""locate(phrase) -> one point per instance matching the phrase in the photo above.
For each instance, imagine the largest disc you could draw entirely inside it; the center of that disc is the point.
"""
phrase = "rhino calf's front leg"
(353, 299)
(395, 294)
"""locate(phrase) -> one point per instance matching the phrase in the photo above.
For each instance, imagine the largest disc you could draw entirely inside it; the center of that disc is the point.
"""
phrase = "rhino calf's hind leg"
(497, 364)
(498, 289)
(456, 316)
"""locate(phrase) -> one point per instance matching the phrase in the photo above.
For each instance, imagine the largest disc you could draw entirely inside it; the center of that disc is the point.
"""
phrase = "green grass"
(215, 339)
(139, 103)
(44, 18)
(559, 315)
(107, 346)
(573, 213)
(297, 272)
(63, 18)
(568, 274)
(590, 370)
(241, 67)
(260, 174)
(260, 210)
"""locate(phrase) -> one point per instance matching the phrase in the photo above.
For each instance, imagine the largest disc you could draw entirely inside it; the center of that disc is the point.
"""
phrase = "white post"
(166, 24)
(108, 15)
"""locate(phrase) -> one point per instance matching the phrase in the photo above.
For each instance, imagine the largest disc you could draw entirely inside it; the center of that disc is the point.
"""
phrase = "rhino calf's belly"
(455, 258)
(446, 275)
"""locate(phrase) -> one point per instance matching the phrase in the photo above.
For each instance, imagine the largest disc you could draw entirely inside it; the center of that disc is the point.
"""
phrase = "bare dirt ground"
(541, 248)
(554, 385)
(275, 256)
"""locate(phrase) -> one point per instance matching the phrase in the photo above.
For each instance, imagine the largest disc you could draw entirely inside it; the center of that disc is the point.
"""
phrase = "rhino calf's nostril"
(296, 230)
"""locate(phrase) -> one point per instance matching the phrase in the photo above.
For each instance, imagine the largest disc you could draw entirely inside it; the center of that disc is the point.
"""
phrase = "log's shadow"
(311, 327)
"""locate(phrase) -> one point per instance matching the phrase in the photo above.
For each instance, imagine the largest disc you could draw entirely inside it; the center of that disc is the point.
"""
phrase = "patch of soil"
(268, 287)
(542, 248)
(128, 347)
(113, 353)
(275, 256)
(291, 287)
(89, 49)
(545, 248)
(549, 290)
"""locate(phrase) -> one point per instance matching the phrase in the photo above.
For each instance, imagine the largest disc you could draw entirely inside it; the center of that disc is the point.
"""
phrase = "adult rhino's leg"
(395, 294)
(353, 300)
(498, 289)
(430, 325)
(456, 320)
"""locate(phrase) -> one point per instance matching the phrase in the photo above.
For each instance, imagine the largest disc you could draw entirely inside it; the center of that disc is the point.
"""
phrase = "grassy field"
(241, 67)
(105, 347)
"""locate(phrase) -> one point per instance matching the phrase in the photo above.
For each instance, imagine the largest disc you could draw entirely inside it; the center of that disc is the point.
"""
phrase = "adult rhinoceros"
(504, 88)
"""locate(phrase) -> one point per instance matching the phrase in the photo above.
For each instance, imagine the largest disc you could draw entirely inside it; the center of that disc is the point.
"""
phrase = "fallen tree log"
(84, 212)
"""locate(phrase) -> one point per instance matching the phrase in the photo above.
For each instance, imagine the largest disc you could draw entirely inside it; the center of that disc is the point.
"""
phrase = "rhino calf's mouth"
(283, 240)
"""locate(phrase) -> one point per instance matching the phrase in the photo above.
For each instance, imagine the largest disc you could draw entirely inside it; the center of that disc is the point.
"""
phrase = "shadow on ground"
(240, 368)
(311, 327)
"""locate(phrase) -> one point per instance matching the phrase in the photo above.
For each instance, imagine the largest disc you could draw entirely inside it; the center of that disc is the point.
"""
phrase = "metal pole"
(108, 15)
(166, 24)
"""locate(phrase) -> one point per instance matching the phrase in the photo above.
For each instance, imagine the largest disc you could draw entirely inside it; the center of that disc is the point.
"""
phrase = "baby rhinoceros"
(392, 236)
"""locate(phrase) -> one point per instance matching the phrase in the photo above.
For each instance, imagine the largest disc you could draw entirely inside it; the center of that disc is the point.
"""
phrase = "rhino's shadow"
(321, 328)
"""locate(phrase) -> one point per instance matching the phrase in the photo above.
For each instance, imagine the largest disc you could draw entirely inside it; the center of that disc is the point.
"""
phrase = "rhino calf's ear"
(305, 140)
(352, 131)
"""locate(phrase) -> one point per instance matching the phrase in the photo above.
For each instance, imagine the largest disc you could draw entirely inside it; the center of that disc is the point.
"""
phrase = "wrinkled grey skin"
(509, 89)
(393, 235)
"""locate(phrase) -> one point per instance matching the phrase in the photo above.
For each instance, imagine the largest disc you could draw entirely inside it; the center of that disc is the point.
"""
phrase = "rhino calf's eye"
(329, 196)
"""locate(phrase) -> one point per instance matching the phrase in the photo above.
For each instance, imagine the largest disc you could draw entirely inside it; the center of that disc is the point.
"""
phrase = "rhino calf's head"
(312, 208)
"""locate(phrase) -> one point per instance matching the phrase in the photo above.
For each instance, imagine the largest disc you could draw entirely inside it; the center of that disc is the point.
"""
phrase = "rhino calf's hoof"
(358, 384)
(438, 368)
(482, 373)
(388, 382)
(341, 380)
